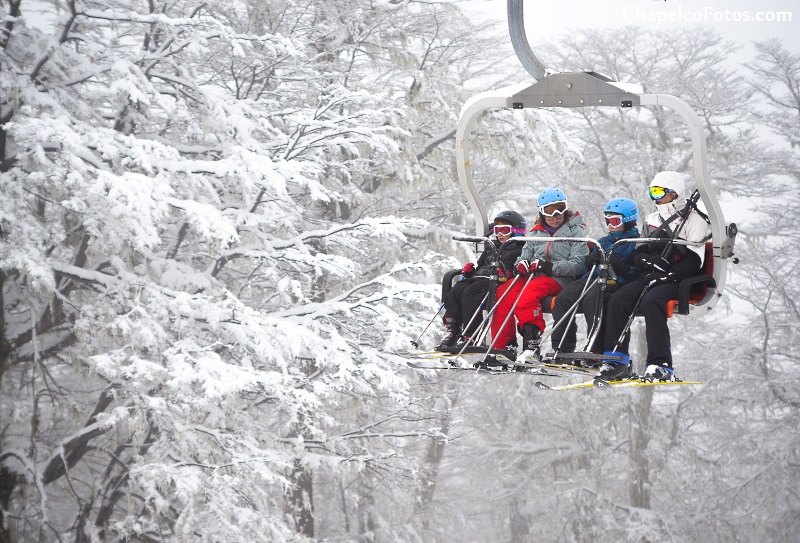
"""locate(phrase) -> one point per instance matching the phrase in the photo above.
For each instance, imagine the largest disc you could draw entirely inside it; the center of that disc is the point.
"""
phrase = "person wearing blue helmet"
(546, 267)
(465, 298)
(621, 215)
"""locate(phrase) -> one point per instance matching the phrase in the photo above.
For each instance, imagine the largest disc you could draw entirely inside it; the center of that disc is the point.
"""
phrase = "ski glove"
(542, 266)
(468, 268)
(657, 278)
(502, 276)
(619, 267)
(655, 263)
(523, 267)
(593, 259)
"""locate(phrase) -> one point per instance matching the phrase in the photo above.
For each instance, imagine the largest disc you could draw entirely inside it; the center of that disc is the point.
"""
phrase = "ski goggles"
(613, 221)
(507, 230)
(553, 209)
(656, 193)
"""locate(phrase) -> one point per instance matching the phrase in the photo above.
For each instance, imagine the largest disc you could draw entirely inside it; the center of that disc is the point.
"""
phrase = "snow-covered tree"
(199, 273)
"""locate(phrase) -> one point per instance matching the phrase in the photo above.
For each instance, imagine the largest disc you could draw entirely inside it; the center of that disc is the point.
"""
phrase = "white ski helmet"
(670, 180)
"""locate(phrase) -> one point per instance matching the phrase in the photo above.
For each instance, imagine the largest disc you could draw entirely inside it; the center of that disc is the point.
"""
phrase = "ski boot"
(530, 344)
(452, 334)
(616, 370)
(654, 372)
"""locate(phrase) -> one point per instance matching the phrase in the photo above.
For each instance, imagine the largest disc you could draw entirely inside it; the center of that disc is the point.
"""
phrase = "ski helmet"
(550, 196)
(515, 219)
(669, 180)
(625, 207)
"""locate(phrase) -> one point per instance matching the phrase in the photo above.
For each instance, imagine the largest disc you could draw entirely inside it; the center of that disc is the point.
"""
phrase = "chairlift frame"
(590, 89)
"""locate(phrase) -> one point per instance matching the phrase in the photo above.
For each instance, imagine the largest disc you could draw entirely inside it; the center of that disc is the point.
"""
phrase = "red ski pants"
(529, 307)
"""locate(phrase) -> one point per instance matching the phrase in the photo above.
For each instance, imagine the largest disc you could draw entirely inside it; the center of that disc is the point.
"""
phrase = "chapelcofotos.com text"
(707, 14)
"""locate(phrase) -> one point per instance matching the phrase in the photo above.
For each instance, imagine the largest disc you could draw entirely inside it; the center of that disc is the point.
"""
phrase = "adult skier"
(664, 265)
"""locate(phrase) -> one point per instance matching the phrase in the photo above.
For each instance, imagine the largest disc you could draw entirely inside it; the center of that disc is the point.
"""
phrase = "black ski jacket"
(507, 255)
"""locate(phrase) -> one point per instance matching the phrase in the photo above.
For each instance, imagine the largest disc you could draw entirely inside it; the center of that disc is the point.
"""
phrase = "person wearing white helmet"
(621, 216)
(662, 271)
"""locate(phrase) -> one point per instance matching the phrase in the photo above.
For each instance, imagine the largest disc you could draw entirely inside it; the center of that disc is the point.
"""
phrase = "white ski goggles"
(554, 208)
(613, 221)
(507, 230)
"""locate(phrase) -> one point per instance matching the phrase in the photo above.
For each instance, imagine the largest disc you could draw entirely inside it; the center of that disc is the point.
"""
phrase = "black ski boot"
(530, 344)
(616, 370)
(452, 334)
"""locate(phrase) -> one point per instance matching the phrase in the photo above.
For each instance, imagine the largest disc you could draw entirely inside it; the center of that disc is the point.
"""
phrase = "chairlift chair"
(590, 89)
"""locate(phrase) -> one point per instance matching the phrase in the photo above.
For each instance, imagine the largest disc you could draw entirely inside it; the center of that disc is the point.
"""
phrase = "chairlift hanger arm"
(516, 29)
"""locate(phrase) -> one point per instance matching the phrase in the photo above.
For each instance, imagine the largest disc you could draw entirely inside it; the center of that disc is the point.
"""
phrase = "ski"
(569, 362)
(487, 370)
(595, 358)
(642, 383)
(623, 383)
(423, 355)
(553, 366)
(477, 353)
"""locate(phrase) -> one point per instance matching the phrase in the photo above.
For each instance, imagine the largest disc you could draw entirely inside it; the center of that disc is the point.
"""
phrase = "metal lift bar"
(516, 28)
(593, 90)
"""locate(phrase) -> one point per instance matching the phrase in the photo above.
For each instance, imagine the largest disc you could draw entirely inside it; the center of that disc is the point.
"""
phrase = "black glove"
(655, 263)
(640, 261)
(543, 267)
(619, 267)
(593, 259)
(657, 278)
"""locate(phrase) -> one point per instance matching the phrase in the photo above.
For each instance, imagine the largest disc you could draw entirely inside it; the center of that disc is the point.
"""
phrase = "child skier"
(464, 300)
(620, 215)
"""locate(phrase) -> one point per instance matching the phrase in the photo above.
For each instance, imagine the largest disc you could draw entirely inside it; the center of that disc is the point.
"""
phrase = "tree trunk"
(639, 483)
(8, 481)
(433, 462)
(300, 500)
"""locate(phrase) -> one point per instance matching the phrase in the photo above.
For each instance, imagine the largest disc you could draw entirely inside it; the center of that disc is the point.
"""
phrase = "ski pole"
(484, 326)
(683, 214)
(573, 310)
(480, 307)
(600, 304)
(510, 315)
(415, 342)
(631, 317)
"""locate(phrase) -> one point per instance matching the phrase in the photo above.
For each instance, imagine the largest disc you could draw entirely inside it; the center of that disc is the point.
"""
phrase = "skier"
(620, 215)
(660, 280)
(463, 301)
(553, 265)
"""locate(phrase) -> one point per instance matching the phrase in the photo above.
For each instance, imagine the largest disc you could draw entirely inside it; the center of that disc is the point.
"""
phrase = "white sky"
(545, 19)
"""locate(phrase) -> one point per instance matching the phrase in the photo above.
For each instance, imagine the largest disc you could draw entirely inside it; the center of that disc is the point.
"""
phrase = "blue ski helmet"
(516, 220)
(623, 206)
(550, 196)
